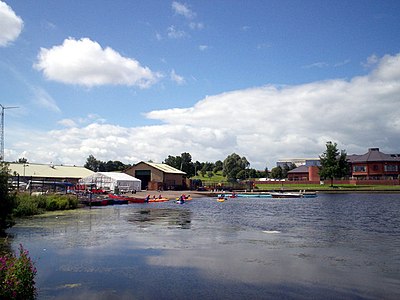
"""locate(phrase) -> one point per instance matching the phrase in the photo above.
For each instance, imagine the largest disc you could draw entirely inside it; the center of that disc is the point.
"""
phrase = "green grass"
(218, 178)
(327, 187)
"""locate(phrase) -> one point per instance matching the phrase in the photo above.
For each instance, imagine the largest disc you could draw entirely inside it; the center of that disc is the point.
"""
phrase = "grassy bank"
(327, 187)
(27, 205)
(218, 179)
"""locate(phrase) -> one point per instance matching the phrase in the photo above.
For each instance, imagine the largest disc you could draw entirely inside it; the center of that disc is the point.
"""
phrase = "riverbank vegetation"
(27, 205)
(17, 276)
(14, 204)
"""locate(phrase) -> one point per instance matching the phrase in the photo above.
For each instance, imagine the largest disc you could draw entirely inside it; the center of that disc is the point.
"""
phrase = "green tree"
(7, 199)
(277, 172)
(92, 163)
(286, 168)
(333, 163)
(116, 165)
(232, 165)
(22, 160)
(183, 163)
(218, 166)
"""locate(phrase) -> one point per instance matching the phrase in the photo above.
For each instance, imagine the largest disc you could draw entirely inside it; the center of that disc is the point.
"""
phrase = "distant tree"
(210, 174)
(266, 175)
(22, 160)
(183, 163)
(242, 175)
(197, 167)
(277, 172)
(218, 166)
(95, 165)
(252, 173)
(112, 166)
(232, 165)
(7, 199)
(286, 168)
(333, 163)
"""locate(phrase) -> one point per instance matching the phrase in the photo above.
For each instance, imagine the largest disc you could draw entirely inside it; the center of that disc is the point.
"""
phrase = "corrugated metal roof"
(49, 171)
(165, 168)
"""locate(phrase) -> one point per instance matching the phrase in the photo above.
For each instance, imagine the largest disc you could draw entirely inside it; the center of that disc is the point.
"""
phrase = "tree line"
(235, 167)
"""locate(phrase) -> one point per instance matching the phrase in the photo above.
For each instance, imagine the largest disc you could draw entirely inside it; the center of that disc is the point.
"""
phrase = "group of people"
(154, 197)
(182, 198)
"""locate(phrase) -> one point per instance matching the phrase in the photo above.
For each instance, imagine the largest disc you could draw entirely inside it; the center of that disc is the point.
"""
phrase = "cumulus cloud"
(262, 123)
(85, 62)
(174, 33)
(11, 25)
(182, 9)
(177, 78)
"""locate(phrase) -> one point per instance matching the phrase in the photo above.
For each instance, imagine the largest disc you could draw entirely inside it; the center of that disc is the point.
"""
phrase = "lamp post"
(2, 129)
(25, 165)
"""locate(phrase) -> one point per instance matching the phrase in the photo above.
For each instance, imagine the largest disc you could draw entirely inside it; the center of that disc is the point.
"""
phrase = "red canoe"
(130, 199)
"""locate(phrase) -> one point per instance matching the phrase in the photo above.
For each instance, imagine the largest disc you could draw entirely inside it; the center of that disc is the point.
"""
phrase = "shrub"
(28, 205)
(17, 276)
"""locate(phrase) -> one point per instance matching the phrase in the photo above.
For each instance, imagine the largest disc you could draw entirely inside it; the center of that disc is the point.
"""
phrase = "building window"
(359, 168)
(375, 167)
(391, 168)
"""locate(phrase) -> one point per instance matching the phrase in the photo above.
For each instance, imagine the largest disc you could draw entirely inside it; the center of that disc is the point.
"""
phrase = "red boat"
(129, 199)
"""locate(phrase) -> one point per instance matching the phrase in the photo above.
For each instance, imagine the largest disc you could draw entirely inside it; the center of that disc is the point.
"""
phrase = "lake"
(337, 246)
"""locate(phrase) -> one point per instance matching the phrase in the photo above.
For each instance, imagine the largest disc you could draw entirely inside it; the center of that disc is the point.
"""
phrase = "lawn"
(219, 178)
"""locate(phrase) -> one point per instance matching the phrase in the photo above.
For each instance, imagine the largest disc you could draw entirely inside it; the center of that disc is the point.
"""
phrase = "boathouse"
(157, 176)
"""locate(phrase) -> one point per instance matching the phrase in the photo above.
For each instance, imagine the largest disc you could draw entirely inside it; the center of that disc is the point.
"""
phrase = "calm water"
(334, 246)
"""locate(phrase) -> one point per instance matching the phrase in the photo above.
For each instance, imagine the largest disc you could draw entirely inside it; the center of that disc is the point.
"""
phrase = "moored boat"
(126, 198)
(286, 195)
(158, 199)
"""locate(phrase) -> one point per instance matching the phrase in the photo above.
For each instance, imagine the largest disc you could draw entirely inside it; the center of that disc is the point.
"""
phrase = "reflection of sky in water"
(334, 245)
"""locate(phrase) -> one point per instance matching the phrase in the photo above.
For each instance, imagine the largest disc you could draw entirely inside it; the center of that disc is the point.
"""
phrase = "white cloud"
(203, 47)
(262, 123)
(11, 25)
(85, 62)
(182, 9)
(371, 61)
(67, 123)
(174, 33)
(176, 78)
(196, 25)
(43, 99)
(319, 64)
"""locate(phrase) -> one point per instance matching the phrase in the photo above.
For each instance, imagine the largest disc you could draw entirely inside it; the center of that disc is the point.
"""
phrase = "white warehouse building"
(113, 181)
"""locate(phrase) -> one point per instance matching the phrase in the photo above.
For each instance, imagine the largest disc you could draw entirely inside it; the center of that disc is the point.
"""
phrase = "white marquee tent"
(112, 181)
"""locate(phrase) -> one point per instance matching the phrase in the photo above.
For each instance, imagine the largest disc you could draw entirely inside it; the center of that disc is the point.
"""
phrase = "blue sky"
(141, 80)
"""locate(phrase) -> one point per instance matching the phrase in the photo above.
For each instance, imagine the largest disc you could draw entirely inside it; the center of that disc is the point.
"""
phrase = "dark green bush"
(28, 205)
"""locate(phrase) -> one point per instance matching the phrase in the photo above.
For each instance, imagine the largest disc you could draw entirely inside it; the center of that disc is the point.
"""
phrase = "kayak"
(159, 200)
(186, 199)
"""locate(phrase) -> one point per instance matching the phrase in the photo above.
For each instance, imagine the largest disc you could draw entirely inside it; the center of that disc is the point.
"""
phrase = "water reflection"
(333, 246)
(180, 218)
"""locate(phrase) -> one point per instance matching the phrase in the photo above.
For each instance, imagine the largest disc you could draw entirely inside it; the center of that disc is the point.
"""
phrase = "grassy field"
(219, 179)
(327, 187)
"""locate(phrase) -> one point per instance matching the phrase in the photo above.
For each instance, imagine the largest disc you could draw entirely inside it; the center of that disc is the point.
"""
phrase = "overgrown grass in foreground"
(27, 205)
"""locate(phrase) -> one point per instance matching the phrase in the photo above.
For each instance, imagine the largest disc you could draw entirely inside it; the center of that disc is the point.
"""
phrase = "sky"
(141, 80)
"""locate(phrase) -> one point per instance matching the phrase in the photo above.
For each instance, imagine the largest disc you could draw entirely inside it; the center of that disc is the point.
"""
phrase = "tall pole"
(2, 130)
